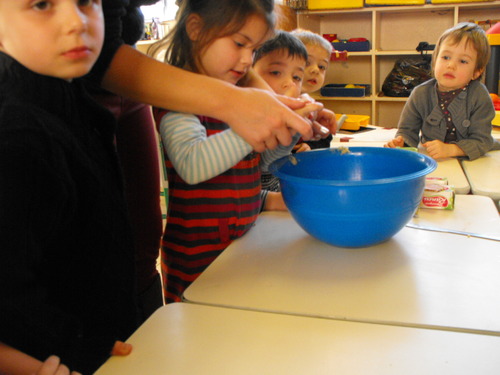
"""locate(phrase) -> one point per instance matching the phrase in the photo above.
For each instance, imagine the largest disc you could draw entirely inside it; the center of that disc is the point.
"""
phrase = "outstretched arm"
(260, 117)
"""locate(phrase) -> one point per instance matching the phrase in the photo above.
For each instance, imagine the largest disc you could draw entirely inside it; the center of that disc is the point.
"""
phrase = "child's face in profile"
(455, 65)
(230, 57)
(58, 38)
(283, 72)
(317, 65)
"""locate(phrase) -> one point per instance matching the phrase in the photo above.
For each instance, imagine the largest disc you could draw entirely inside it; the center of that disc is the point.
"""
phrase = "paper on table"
(379, 134)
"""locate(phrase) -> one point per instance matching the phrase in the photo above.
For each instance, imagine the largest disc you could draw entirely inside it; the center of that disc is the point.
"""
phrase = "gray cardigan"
(472, 112)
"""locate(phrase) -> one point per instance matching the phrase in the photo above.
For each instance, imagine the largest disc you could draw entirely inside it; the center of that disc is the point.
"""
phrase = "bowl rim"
(431, 166)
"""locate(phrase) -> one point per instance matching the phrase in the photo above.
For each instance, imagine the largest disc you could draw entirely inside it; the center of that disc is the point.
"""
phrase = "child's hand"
(121, 349)
(310, 110)
(326, 119)
(275, 202)
(323, 120)
(53, 366)
(396, 142)
(438, 150)
(301, 147)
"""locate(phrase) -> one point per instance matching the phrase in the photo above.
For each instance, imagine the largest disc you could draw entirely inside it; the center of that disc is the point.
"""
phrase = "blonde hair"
(309, 38)
(474, 35)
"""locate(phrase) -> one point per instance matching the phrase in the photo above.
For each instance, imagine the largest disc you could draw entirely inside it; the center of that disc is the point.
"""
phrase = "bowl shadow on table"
(313, 270)
(367, 272)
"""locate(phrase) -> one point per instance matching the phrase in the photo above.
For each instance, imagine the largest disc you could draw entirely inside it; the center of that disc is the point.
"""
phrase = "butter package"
(438, 195)
(436, 180)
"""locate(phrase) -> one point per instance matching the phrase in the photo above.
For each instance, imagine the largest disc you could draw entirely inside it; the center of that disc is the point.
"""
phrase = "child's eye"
(297, 78)
(41, 5)
(464, 62)
(322, 67)
(445, 57)
(275, 73)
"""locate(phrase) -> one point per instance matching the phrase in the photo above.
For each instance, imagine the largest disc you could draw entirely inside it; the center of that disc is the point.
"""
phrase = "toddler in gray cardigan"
(451, 114)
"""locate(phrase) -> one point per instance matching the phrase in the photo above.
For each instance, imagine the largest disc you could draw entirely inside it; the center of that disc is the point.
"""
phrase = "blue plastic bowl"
(354, 199)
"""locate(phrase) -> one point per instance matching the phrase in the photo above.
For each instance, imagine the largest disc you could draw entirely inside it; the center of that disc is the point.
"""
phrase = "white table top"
(474, 214)
(193, 339)
(418, 278)
(484, 174)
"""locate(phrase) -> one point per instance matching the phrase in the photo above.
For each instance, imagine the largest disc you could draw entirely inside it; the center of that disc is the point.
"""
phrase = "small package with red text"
(438, 195)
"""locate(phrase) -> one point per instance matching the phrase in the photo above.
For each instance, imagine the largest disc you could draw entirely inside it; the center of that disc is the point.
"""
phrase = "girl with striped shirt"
(214, 175)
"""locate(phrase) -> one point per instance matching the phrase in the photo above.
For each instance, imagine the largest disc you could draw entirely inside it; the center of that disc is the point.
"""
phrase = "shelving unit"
(394, 32)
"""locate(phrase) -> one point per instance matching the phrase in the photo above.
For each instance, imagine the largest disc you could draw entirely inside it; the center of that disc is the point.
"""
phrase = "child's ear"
(477, 73)
(194, 25)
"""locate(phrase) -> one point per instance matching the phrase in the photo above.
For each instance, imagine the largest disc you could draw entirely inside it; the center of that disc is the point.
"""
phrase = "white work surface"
(474, 214)
(484, 174)
(449, 167)
(186, 339)
(418, 278)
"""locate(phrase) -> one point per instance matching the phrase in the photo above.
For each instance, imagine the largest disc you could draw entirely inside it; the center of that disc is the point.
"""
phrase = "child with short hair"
(319, 51)
(281, 62)
(67, 282)
(451, 113)
(214, 176)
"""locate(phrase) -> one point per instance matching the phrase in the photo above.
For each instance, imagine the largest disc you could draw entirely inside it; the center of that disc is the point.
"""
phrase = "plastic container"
(496, 119)
(339, 56)
(394, 2)
(353, 122)
(334, 4)
(352, 46)
(457, 1)
(354, 198)
(335, 89)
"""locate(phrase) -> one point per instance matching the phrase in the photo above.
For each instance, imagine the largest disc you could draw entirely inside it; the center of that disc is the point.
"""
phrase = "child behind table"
(281, 62)
(214, 176)
(451, 114)
(319, 51)
(67, 282)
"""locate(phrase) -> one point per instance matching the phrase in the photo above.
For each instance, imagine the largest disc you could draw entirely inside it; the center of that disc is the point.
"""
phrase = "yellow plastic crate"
(496, 119)
(334, 4)
(394, 2)
(353, 122)
(457, 1)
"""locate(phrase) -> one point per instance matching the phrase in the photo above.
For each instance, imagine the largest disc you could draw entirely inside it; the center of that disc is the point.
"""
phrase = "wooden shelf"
(394, 32)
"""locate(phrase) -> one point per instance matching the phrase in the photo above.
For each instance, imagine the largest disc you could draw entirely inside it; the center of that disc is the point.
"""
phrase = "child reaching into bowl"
(214, 175)
(281, 62)
(451, 113)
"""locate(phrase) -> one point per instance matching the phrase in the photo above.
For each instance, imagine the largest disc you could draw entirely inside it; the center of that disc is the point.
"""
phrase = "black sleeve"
(114, 12)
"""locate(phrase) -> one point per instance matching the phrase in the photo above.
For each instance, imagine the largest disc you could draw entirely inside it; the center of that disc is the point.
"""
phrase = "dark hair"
(285, 41)
(474, 34)
(220, 18)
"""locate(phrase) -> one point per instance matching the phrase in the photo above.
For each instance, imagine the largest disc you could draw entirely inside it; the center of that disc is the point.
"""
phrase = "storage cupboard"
(394, 32)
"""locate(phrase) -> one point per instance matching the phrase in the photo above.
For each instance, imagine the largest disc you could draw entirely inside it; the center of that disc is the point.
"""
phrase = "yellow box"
(457, 1)
(394, 2)
(496, 119)
(353, 122)
(334, 4)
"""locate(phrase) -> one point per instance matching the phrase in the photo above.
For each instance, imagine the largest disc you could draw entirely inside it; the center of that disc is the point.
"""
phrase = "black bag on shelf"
(406, 74)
